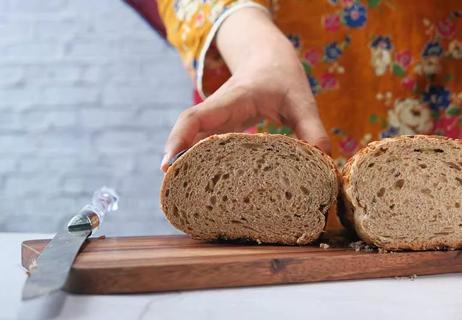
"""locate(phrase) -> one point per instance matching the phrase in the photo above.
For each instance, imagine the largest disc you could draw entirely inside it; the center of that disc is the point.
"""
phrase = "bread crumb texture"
(259, 187)
(406, 193)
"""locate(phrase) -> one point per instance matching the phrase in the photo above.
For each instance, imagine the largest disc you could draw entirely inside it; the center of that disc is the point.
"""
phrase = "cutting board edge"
(199, 288)
(284, 277)
(431, 262)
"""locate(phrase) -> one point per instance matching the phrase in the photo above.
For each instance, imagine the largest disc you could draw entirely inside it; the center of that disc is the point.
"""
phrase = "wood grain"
(166, 263)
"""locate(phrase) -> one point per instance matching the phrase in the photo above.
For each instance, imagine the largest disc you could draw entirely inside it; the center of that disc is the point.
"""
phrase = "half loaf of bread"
(260, 187)
(406, 193)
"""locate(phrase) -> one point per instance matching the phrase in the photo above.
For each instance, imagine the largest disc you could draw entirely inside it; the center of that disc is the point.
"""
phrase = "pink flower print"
(312, 56)
(408, 83)
(403, 58)
(200, 19)
(331, 22)
(348, 145)
(446, 28)
(448, 126)
(348, 3)
(251, 130)
(328, 81)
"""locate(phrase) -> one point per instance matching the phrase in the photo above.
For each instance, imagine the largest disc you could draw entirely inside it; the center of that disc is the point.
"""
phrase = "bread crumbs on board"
(324, 246)
(362, 246)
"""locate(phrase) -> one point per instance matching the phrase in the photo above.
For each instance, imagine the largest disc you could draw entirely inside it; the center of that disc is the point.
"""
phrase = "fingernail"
(163, 163)
(175, 157)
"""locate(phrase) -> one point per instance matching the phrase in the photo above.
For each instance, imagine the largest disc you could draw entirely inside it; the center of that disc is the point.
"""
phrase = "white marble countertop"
(429, 297)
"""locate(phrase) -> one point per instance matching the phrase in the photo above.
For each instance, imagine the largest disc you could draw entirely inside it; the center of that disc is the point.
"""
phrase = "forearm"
(268, 81)
(249, 40)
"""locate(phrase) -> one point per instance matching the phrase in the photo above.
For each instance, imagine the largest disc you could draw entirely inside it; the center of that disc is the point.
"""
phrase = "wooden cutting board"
(165, 263)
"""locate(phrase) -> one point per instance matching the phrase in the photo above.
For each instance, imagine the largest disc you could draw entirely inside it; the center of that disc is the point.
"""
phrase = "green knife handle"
(91, 216)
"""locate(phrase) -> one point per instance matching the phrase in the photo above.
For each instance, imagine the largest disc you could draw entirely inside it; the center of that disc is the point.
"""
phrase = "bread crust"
(351, 210)
(189, 155)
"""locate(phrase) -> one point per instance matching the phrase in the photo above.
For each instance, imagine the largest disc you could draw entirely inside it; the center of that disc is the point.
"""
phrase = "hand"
(268, 81)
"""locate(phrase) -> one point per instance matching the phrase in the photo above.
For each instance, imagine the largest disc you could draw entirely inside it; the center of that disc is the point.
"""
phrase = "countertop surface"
(426, 297)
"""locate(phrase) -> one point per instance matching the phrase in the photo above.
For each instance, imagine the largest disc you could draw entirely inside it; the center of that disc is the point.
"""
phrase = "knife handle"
(91, 216)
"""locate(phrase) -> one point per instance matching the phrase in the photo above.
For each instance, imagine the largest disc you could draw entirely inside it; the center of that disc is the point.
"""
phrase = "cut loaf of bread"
(260, 187)
(406, 193)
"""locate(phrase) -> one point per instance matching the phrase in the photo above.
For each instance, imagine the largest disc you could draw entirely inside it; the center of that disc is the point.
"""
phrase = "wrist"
(249, 41)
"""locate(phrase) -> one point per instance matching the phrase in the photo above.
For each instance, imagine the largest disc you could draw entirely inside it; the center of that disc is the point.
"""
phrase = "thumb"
(304, 119)
(213, 115)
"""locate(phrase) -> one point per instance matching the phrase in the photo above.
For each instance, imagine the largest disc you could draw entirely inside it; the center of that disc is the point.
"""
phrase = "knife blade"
(54, 263)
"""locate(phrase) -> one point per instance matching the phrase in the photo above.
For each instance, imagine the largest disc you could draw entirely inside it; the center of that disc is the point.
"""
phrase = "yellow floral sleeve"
(191, 27)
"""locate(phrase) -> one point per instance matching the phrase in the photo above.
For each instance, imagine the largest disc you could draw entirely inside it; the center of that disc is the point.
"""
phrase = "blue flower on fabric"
(295, 39)
(354, 16)
(390, 132)
(314, 84)
(332, 51)
(383, 42)
(437, 97)
(432, 49)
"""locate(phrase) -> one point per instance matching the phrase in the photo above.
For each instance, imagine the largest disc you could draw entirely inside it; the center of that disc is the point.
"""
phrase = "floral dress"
(378, 68)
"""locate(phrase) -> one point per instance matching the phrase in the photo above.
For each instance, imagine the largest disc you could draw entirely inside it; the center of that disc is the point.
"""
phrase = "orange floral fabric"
(378, 68)
(190, 22)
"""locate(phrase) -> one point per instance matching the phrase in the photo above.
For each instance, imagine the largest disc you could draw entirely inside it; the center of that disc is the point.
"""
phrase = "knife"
(52, 267)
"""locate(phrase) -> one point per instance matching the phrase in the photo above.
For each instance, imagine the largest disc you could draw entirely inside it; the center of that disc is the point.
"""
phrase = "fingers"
(312, 131)
(190, 128)
(304, 119)
(232, 108)
(182, 135)
(222, 112)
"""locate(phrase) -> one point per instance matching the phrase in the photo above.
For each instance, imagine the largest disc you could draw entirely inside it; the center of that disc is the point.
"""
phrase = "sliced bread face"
(406, 193)
(265, 188)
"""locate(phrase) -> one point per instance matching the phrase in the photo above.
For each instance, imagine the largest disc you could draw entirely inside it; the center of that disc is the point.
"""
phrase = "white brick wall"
(88, 93)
